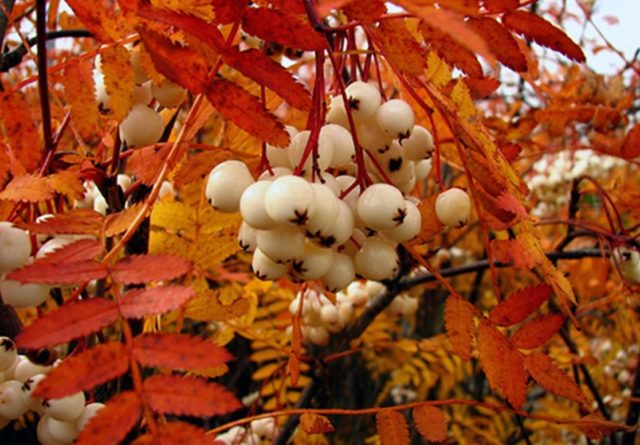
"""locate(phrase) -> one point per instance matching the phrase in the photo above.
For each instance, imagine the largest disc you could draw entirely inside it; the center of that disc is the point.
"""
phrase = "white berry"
(453, 207)
(89, 411)
(247, 237)
(142, 126)
(15, 247)
(12, 401)
(281, 243)
(313, 263)
(324, 213)
(342, 142)
(419, 145)
(8, 353)
(65, 408)
(299, 145)
(226, 184)
(340, 274)
(252, 206)
(395, 118)
(377, 260)
(23, 295)
(168, 94)
(289, 200)
(265, 268)
(381, 207)
(409, 228)
(363, 100)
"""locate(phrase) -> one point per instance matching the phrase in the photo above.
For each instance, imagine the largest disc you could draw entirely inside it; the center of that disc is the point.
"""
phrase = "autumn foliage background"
(526, 331)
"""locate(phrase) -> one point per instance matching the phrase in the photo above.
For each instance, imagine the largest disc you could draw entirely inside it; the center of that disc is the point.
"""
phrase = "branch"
(5, 8)
(15, 56)
(381, 302)
(43, 86)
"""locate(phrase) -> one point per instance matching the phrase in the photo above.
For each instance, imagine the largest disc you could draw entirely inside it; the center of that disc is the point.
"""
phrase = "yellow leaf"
(461, 97)
(118, 79)
(438, 72)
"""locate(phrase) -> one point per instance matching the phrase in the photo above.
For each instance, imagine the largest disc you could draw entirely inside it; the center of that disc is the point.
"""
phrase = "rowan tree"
(299, 221)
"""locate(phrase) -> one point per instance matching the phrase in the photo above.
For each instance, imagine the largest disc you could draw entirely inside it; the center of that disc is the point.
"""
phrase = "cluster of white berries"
(321, 317)
(61, 419)
(143, 125)
(259, 431)
(551, 179)
(628, 261)
(321, 224)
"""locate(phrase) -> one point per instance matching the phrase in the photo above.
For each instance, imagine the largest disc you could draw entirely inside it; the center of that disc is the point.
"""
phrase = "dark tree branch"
(7, 7)
(381, 302)
(43, 86)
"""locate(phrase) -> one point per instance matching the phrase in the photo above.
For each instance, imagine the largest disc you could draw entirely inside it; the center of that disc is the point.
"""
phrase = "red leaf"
(77, 221)
(258, 66)
(315, 423)
(631, 143)
(113, 422)
(96, 17)
(481, 88)
(145, 163)
(175, 433)
(136, 269)
(500, 42)
(290, 30)
(510, 151)
(502, 363)
(544, 371)
(156, 300)
(85, 370)
(511, 251)
(537, 332)
(500, 5)
(191, 72)
(176, 351)
(458, 321)
(75, 272)
(363, 12)
(595, 427)
(185, 396)
(68, 322)
(399, 46)
(229, 12)
(431, 423)
(451, 51)
(506, 201)
(392, 428)
(520, 304)
(247, 112)
(542, 32)
(81, 250)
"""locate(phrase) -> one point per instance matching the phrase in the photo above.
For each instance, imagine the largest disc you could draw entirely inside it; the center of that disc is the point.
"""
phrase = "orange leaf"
(191, 72)
(118, 79)
(481, 88)
(500, 42)
(184, 396)
(500, 5)
(458, 321)
(496, 217)
(175, 433)
(75, 272)
(4, 163)
(81, 250)
(315, 423)
(537, 332)
(451, 50)
(595, 427)
(257, 66)
(431, 423)
(291, 30)
(139, 303)
(66, 183)
(146, 162)
(98, 19)
(113, 422)
(136, 269)
(631, 143)
(430, 224)
(20, 130)
(68, 322)
(542, 32)
(511, 251)
(247, 112)
(520, 304)
(77, 221)
(199, 165)
(79, 90)
(119, 222)
(177, 351)
(399, 46)
(506, 201)
(544, 371)
(502, 363)
(28, 188)
(85, 370)
(392, 428)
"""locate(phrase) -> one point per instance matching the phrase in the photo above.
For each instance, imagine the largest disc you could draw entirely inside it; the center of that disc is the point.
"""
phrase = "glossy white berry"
(289, 200)
(381, 207)
(52, 245)
(247, 237)
(318, 335)
(324, 213)
(43, 434)
(8, 353)
(337, 113)
(628, 261)
(281, 244)
(26, 369)
(342, 142)
(298, 146)
(89, 411)
(371, 137)
(142, 94)
(226, 184)
(62, 431)
(100, 205)
(363, 100)
(265, 428)
(265, 268)
(275, 173)
(279, 156)
(409, 228)
(422, 169)
(65, 408)
(28, 387)
(15, 247)
(142, 126)
(340, 274)
(342, 228)
(396, 119)
(252, 206)
(313, 263)
(453, 207)
(124, 181)
(12, 401)
(168, 94)
(102, 96)
(377, 260)
(23, 295)
(419, 145)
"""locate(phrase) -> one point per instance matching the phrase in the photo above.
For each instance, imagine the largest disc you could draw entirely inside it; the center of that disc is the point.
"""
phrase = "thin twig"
(43, 87)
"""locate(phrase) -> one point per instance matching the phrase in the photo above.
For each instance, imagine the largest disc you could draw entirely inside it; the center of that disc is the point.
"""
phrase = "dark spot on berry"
(400, 216)
(403, 136)
(383, 149)
(354, 103)
(297, 267)
(395, 164)
(370, 231)
(300, 218)
(7, 344)
(327, 241)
